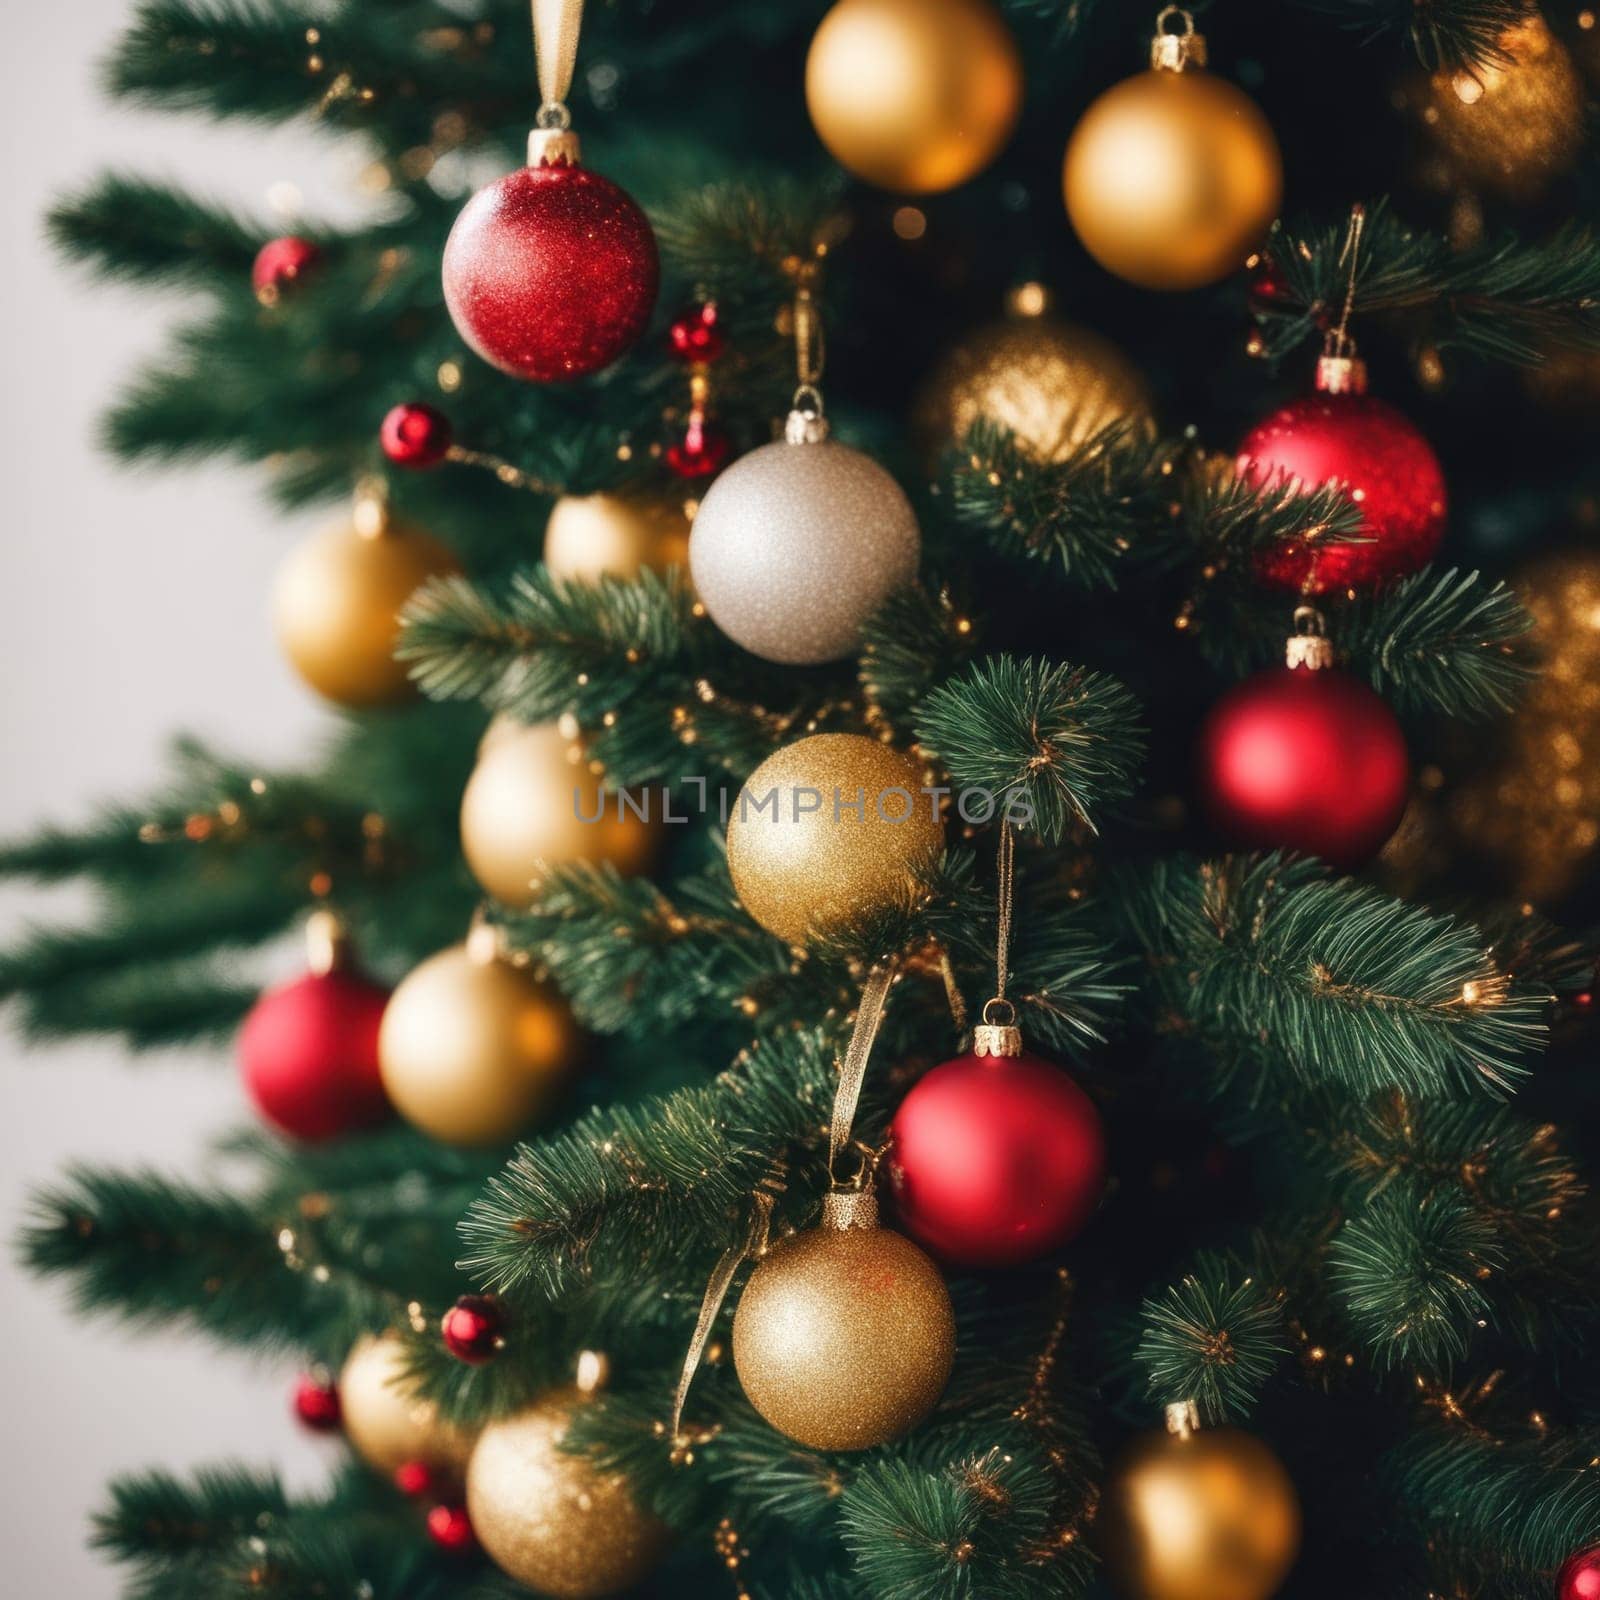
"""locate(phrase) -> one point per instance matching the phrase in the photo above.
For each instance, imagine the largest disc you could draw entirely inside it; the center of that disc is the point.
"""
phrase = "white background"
(134, 606)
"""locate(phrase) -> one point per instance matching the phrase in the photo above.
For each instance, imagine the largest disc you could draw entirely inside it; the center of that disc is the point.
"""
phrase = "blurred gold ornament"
(526, 805)
(386, 1424)
(1198, 1515)
(472, 1049)
(553, 1520)
(829, 829)
(1052, 384)
(337, 598)
(1515, 124)
(844, 1336)
(1173, 176)
(621, 535)
(914, 95)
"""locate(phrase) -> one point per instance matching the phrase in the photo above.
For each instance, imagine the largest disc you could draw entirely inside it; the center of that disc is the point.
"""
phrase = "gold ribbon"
(555, 48)
(853, 1069)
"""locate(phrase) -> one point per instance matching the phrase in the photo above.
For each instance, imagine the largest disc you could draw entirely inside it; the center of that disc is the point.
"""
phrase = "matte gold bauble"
(553, 1520)
(336, 604)
(1050, 383)
(914, 95)
(532, 801)
(1206, 1515)
(593, 535)
(472, 1049)
(1172, 177)
(1513, 124)
(844, 1336)
(386, 1424)
(829, 829)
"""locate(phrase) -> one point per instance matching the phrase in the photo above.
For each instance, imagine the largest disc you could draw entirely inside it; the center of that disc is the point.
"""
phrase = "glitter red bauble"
(1296, 759)
(695, 335)
(996, 1159)
(280, 262)
(1580, 1576)
(1381, 461)
(450, 1528)
(415, 435)
(316, 1403)
(309, 1054)
(551, 272)
(471, 1329)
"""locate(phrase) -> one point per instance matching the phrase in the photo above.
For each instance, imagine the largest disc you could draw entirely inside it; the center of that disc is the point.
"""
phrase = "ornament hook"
(1175, 52)
(1309, 645)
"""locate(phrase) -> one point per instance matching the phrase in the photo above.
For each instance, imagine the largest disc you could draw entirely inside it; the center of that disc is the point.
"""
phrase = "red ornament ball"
(279, 263)
(415, 435)
(695, 335)
(451, 1528)
(309, 1054)
(416, 1478)
(996, 1159)
(1380, 460)
(1580, 1576)
(700, 452)
(472, 1329)
(551, 272)
(1302, 759)
(316, 1402)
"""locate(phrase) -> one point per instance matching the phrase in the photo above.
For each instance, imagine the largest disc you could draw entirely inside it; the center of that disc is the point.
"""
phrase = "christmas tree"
(977, 983)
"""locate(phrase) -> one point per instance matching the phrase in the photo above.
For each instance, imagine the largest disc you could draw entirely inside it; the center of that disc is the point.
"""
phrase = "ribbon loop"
(555, 47)
(853, 1069)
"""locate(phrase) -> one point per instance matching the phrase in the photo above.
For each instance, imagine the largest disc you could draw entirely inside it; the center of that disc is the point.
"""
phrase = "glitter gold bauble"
(1051, 384)
(532, 801)
(336, 604)
(472, 1049)
(913, 95)
(844, 1336)
(554, 1520)
(829, 829)
(1514, 124)
(1173, 176)
(593, 535)
(386, 1423)
(1198, 1515)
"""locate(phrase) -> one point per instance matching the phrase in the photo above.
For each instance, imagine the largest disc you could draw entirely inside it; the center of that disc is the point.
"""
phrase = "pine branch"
(1452, 35)
(919, 637)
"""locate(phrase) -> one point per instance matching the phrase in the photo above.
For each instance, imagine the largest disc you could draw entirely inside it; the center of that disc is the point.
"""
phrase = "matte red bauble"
(316, 1402)
(415, 435)
(309, 1054)
(1580, 1576)
(1303, 759)
(996, 1159)
(1341, 435)
(472, 1329)
(551, 272)
(280, 263)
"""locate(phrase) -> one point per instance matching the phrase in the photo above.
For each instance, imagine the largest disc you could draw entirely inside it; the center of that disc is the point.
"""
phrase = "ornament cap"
(850, 1208)
(1341, 374)
(370, 514)
(554, 147)
(806, 423)
(1176, 52)
(327, 943)
(483, 942)
(1308, 646)
(1183, 1419)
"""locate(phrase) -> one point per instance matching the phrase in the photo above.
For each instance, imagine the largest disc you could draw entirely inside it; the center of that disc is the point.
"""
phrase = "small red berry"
(450, 1528)
(415, 1478)
(415, 435)
(695, 335)
(701, 451)
(316, 1402)
(472, 1329)
(279, 263)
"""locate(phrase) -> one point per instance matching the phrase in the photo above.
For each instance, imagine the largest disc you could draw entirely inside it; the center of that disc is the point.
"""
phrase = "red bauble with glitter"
(551, 272)
(1307, 760)
(280, 263)
(996, 1159)
(316, 1402)
(309, 1054)
(472, 1329)
(1342, 435)
(450, 1528)
(1580, 1576)
(415, 435)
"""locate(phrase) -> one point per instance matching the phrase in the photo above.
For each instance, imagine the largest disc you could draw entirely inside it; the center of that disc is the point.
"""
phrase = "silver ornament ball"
(798, 543)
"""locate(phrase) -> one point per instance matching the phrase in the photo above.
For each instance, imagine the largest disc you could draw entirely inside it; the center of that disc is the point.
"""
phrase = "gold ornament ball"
(525, 807)
(1172, 178)
(553, 1520)
(336, 605)
(844, 1337)
(1511, 125)
(1206, 1515)
(829, 829)
(594, 535)
(913, 95)
(386, 1424)
(1050, 383)
(472, 1049)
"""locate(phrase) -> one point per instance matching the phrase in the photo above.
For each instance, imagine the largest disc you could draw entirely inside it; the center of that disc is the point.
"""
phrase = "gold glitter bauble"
(1210, 1515)
(553, 1520)
(336, 606)
(829, 829)
(1515, 124)
(914, 95)
(844, 1336)
(1050, 383)
(525, 807)
(592, 535)
(386, 1424)
(472, 1049)
(1171, 178)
